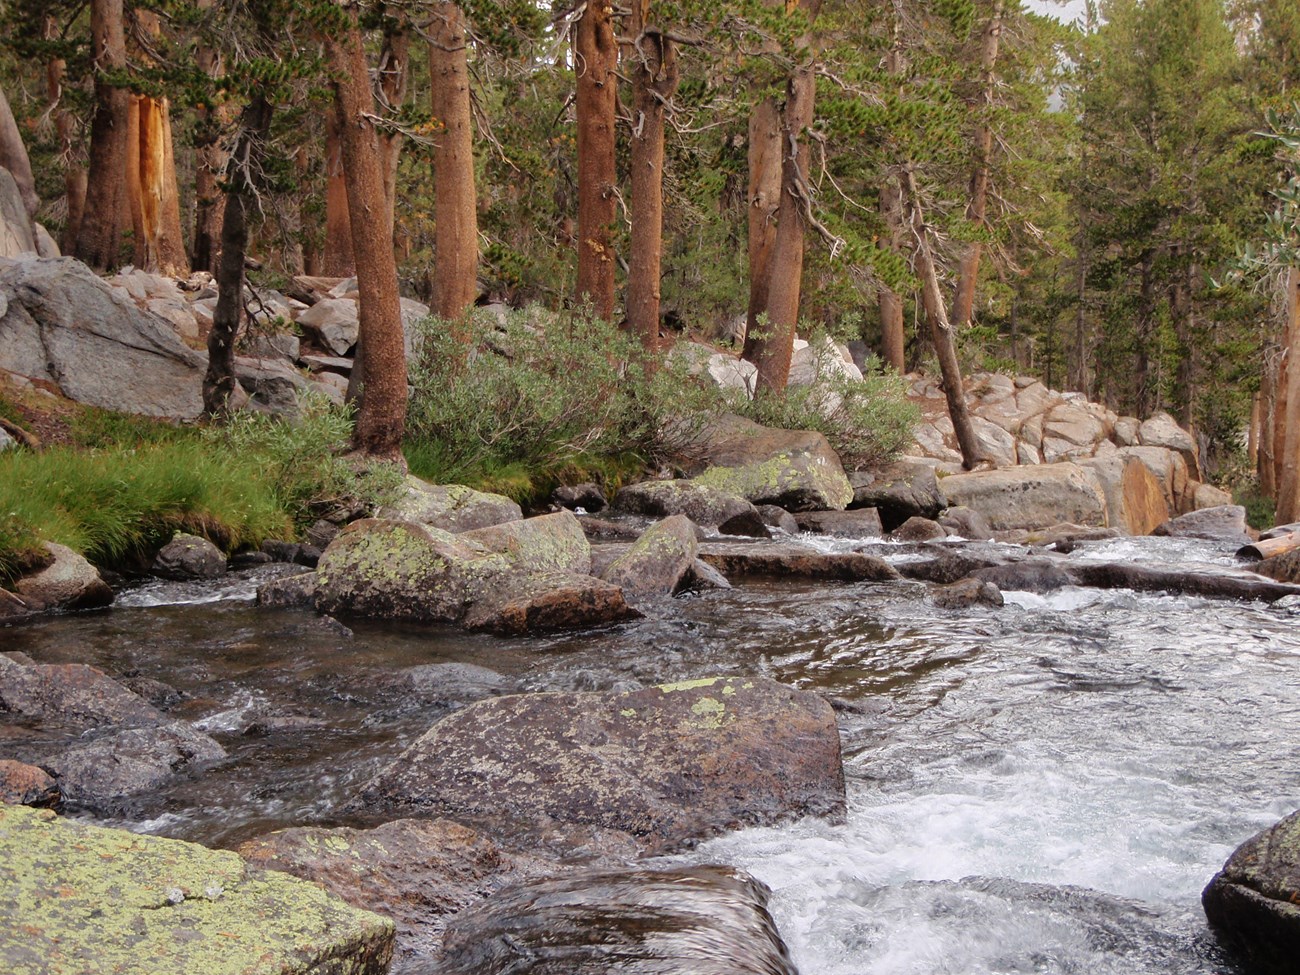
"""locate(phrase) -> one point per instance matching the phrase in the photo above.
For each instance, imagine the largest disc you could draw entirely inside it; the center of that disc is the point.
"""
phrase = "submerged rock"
(1253, 903)
(918, 529)
(419, 872)
(966, 593)
(1144, 578)
(1031, 575)
(189, 557)
(137, 905)
(72, 696)
(667, 765)
(699, 921)
(795, 561)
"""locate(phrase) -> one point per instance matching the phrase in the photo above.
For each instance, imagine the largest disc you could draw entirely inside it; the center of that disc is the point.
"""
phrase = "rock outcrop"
(666, 765)
(1030, 497)
(66, 326)
(1253, 903)
(137, 905)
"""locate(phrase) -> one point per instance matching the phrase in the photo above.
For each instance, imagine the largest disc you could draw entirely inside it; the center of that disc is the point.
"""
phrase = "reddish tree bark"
(99, 234)
(764, 197)
(1287, 420)
(209, 163)
(381, 418)
(597, 64)
(151, 190)
(893, 333)
(968, 273)
(337, 260)
(654, 81)
(455, 279)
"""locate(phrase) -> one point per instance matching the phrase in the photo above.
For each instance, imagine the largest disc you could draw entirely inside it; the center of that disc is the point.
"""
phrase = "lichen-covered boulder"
(288, 592)
(796, 469)
(709, 920)
(419, 872)
(77, 898)
(451, 507)
(1030, 497)
(1253, 903)
(667, 765)
(703, 504)
(522, 576)
(660, 561)
(68, 582)
(547, 543)
(189, 557)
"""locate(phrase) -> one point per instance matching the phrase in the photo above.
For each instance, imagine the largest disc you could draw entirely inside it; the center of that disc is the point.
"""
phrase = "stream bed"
(1042, 787)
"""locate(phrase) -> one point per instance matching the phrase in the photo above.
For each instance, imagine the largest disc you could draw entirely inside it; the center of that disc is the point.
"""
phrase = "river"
(1041, 787)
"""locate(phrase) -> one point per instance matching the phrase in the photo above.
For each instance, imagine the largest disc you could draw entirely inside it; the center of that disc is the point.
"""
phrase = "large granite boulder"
(66, 326)
(1226, 523)
(667, 765)
(1136, 502)
(1030, 497)
(419, 872)
(451, 507)
(68, 582)
(77, 898)
(696, 921)
(521, 576)
(1253, 903)
(703, 504)
(1162, 430)
(273, 385)
(659, 562)
(904, 490)
(334, 323)
(796, 469)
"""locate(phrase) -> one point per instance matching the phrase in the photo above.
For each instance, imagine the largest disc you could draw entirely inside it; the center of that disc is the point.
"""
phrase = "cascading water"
(1041, 787)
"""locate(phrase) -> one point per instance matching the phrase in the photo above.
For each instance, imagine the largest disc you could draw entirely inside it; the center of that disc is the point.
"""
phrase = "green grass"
(119, 500)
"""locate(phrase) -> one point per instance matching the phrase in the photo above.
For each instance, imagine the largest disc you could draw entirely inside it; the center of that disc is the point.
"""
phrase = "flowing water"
(1043, 787)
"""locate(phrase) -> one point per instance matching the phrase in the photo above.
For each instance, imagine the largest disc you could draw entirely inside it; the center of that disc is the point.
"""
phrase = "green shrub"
(528, 404)
(867, 422)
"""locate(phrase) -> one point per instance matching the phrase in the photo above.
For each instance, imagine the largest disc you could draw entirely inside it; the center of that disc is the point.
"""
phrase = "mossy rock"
(659, 561)
(451, 507)
(77, 898)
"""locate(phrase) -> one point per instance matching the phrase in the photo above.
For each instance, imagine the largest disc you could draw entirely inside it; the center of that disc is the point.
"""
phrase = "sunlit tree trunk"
(152, 192)
(455, 279)
(381, 418)
(597, 64)
(941, 331)
(99, 233)
(968, 270)
(654, 81)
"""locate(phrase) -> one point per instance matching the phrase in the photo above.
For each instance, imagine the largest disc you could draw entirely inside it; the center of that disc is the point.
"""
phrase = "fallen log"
(1266, 548)
(1118, 575)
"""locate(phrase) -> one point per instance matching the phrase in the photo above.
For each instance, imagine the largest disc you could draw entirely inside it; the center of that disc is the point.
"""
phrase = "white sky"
(1064, 10)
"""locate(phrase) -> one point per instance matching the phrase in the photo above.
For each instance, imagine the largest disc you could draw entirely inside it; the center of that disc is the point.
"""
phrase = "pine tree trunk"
(394, 69)
(964, 300)
(245, 162)
(455, 281)
(1143, 388)
(209, 163)
(1267, 466)
(381, 418)
(99, 233)
(74, 174)
(13, 157)
(654, 81)
(764, 198)
(893, 332)
(1288, 477)
(337, 260)
(597, 63)
(941, 332)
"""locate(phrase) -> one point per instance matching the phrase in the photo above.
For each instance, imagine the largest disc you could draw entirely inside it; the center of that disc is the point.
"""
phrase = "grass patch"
(120, 500)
